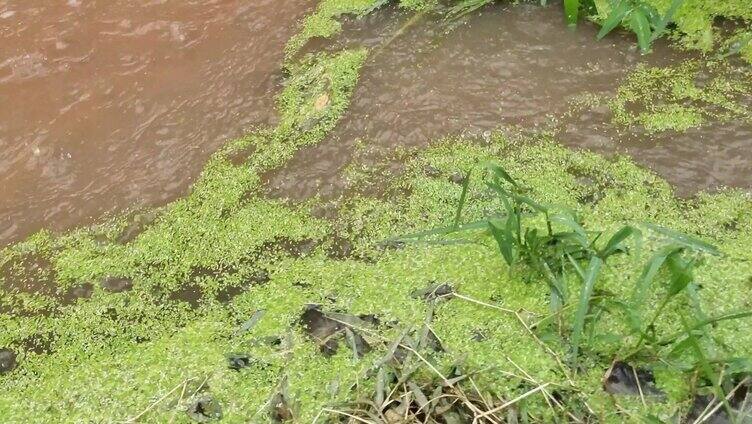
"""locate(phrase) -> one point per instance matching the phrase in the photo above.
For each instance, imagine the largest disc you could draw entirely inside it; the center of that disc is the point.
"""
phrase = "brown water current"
(108, 105)
(509, 66)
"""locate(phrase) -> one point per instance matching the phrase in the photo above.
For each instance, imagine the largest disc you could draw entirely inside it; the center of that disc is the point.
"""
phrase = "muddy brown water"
(509, 66)
(108, 105)
(113, 105)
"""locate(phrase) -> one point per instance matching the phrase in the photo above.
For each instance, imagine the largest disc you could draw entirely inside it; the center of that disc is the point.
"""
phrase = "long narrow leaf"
(463, 197)
(499, 172)
(650, 271)
(685, 240)
(583, 306)
(569, 222)
(617, 15)
(681, 274)
(709, 321)
(571, 11)
(614, 244)
(530, 202)
(505, 245)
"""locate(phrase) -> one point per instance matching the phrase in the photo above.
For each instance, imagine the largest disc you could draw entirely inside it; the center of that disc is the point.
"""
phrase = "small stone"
(7, 361)
(204, 410)
(83, 291)
(321, 102)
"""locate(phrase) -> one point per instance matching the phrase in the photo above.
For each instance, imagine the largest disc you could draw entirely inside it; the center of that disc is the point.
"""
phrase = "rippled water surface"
(512, 65)
(106, 105)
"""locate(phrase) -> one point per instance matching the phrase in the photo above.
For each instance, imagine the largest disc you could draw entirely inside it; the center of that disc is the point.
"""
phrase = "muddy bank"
(118, 105)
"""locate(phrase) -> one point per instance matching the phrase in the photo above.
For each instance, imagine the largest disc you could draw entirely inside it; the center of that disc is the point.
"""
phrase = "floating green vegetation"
(684, 96)
(447, 307)
(323, 22)
(229, 305)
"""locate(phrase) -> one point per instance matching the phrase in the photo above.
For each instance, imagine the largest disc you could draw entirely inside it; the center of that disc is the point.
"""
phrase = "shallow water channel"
(118, 104)
(509, 66)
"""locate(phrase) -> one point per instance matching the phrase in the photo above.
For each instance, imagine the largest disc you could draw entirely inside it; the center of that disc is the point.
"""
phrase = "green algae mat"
(502, 279)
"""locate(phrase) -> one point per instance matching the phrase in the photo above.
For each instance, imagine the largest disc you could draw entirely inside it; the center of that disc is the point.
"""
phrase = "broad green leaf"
(571, 10)
(505, 245)
(660, 27)
(640, 26)
(651, 13)
(617, 15)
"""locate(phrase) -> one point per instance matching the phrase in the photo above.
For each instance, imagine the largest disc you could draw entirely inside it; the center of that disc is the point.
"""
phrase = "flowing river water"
(107, 105)
(113, 105)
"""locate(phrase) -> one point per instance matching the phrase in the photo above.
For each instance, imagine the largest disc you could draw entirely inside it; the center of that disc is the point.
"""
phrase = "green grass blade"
(640, 26)
(614, 244)
(709, 321)
(706, 368)
(615, 18)
(499, 172)
(571, 11)
(583, 306)
(681, 274)
(505, 244)
(463, 197)
(580, 236)
(650, 271)
(685, 240)
(530, 202)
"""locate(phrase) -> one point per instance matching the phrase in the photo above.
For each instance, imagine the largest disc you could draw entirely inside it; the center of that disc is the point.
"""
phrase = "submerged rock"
(204, 410)
(458, 178)
(117, 284)
(238, 361)
(328, 329)
(280, 410)
(707, 409)
(624, 379)
(83, 291)
(7, 361)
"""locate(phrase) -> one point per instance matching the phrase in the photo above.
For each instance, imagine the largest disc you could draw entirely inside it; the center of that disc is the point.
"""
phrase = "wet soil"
(509, 66)
(118, 104)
